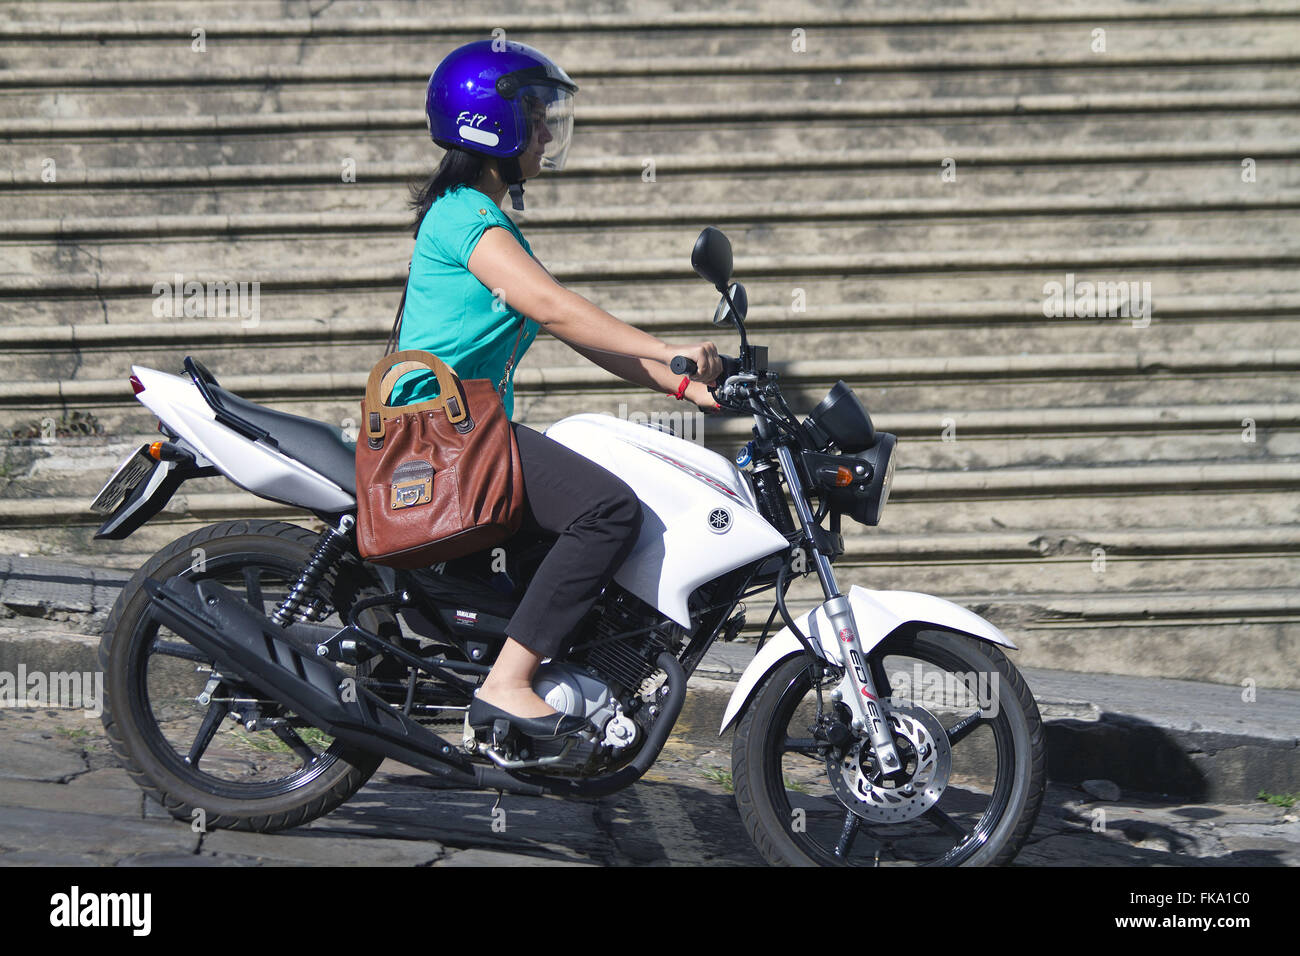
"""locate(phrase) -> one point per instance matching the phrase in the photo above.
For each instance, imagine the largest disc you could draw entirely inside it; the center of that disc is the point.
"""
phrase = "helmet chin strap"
(510, 172)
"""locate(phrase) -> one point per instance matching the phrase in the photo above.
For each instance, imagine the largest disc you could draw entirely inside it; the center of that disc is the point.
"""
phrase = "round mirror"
(722, 315)
(711, 257)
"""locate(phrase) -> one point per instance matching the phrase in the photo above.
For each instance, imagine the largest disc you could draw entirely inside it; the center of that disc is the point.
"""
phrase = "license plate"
(125, 480)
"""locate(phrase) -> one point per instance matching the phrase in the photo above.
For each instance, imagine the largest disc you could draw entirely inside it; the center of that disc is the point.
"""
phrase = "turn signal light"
(843, 477)
(155, 450)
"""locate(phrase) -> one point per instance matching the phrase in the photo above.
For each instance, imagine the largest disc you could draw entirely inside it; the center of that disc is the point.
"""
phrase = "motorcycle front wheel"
(203, 743)
(971, 742)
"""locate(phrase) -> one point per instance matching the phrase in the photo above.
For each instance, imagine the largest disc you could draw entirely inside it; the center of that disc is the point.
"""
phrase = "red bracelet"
(681, 389)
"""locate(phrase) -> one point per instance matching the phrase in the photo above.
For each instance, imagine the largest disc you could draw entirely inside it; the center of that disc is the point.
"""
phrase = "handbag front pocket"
(411, 485)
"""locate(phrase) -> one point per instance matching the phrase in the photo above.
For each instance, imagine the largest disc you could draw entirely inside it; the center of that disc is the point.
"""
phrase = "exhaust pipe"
(250, 645)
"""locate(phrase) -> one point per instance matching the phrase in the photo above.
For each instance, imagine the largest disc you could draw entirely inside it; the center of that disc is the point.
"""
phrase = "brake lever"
(728, 390)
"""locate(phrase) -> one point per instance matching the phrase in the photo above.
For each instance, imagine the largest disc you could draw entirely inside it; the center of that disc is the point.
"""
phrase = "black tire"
(794, 815)
(147, 692)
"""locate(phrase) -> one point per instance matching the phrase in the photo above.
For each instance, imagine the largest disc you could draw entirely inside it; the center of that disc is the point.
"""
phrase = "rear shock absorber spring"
(333, 542)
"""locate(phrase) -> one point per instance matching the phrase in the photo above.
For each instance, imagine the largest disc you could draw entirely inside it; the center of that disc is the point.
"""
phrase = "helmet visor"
(549, 112)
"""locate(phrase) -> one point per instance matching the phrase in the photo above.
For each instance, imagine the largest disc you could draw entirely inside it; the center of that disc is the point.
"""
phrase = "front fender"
(877, 614)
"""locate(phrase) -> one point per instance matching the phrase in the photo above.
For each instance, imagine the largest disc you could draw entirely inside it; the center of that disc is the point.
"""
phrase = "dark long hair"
(458, 167)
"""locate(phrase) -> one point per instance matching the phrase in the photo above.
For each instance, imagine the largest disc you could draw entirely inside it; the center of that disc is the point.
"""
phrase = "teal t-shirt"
(449, 312)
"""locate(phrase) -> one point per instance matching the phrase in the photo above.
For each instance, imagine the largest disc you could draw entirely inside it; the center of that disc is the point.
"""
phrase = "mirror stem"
(740, 324)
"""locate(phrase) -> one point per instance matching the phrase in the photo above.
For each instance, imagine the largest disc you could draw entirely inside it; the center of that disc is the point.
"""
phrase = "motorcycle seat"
(318, 445)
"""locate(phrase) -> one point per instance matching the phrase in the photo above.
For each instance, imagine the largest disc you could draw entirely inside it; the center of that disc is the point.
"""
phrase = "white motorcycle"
(259, 672)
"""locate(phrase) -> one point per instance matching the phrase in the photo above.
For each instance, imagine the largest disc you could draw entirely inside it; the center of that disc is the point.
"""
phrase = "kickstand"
(497, 803)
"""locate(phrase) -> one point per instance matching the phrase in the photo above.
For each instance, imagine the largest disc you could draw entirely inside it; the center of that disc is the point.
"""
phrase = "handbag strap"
(397, 320)
(394, 336)
(501, 385)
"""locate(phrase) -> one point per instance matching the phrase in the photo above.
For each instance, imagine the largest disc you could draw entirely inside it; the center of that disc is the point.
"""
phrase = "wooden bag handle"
(450, 398)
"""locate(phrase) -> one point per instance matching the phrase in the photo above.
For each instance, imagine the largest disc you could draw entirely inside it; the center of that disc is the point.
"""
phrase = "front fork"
(868, 709)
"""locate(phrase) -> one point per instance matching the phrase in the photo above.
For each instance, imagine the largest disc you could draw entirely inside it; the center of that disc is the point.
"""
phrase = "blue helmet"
(485, 96)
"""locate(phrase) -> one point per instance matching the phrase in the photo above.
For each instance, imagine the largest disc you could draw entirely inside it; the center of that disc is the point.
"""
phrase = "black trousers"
(597, 518)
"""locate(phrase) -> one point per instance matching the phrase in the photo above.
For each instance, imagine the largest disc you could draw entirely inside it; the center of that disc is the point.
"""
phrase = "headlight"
(881, 459)
(888, 481)
(863, 498)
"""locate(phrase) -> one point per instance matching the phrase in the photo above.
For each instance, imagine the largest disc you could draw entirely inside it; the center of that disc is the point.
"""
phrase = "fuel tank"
(700, 519)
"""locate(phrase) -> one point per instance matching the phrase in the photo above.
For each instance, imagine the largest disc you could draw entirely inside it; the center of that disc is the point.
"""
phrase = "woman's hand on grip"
(705, 356)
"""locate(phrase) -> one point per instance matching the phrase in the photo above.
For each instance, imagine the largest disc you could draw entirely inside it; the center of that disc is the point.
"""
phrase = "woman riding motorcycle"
(477, 298)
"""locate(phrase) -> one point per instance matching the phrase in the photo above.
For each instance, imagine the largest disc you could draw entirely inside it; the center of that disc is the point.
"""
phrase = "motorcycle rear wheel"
(195, 760)
(988, 795)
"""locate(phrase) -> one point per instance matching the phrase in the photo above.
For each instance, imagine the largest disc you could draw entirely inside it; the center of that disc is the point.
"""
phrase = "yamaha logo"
(719, 520)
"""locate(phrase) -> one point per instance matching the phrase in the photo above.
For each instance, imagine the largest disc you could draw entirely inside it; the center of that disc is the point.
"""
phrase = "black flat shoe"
(483, 715)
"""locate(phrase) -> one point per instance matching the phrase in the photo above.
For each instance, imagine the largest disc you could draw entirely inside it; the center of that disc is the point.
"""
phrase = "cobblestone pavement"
(63, 800)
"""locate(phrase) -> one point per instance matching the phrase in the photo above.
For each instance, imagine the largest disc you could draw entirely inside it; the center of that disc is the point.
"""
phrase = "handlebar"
(681, 365)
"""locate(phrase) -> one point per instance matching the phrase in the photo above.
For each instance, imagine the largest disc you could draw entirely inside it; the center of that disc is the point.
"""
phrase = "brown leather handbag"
(437, 479)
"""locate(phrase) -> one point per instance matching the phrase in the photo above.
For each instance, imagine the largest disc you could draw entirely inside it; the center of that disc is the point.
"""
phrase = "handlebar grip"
(681, 365)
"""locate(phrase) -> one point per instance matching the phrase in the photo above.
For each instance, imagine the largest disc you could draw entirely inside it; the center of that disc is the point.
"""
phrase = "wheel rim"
(202, 744)
(973, 800)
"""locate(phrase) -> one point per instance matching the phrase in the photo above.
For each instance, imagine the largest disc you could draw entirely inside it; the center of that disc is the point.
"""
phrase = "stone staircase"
(901, 185)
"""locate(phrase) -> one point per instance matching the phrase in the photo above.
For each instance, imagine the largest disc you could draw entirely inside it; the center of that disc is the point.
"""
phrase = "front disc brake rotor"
(922, 744)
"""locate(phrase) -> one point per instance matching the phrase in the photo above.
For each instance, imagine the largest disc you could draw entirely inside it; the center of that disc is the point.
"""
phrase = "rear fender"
(150, 497)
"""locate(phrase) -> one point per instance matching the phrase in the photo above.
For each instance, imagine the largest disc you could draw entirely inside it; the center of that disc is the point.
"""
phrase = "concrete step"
(1152, 212)
(1011, 325)
(1133, 512)
(939, 399)
(1121, 376)
(885, 548)
(1030, 168)
(384, 188)
(804, 115)
(72, 92)
(239, 244)
(46, 464)
(323, 382)
(1097, 562)
(911, 485)
(368, 17)
(300, 348)
(949, 428)
(677, 307)
(575, 40)
(1125, 245)
(1063, 591)
(949, 125)
(987, 273)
